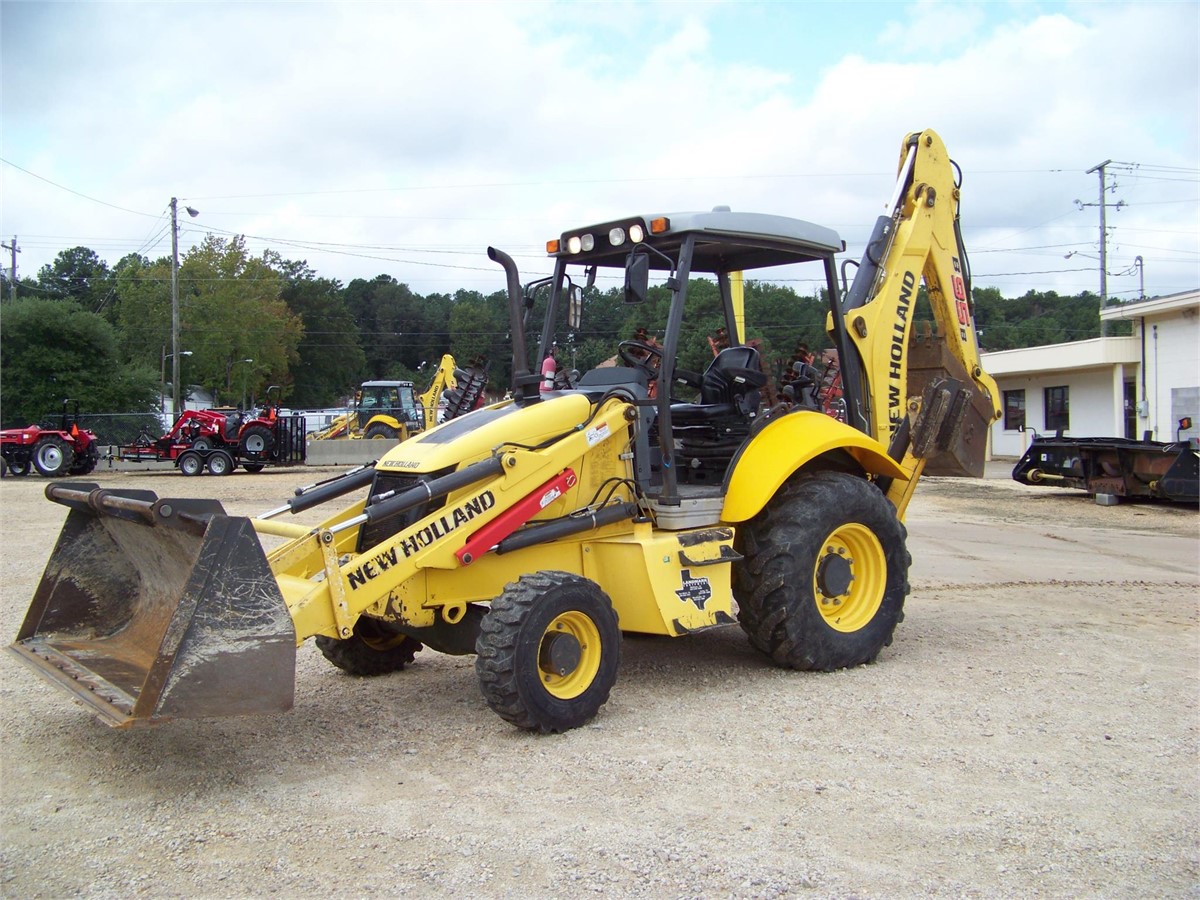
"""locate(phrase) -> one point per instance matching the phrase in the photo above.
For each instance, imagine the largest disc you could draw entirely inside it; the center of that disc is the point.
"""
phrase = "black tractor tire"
(86, 463)
(257, 441)
(373, 649)
(825, 573)
(203, 444)
(190, 462)
(253, 468)
(220, 463)
(381, 432)
(548, 652)
(52, 456)
(18, 468)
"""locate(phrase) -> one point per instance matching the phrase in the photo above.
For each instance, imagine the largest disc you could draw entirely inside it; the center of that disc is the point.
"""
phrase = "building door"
(1131, 410)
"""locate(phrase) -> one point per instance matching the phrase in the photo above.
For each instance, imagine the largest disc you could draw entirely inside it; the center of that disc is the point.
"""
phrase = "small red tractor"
(219, 440)
(65, 450)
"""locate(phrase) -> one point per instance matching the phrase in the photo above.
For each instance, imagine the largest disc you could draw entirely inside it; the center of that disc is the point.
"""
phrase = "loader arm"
(943, 405)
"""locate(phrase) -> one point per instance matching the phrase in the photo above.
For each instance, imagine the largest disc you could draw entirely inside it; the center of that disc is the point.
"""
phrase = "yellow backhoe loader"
(390, 410)
(535, 531)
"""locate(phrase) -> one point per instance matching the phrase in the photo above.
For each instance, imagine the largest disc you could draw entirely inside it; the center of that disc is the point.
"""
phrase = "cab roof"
(726, 241)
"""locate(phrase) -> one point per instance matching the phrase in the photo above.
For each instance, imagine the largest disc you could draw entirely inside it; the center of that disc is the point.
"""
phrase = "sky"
(405, 138)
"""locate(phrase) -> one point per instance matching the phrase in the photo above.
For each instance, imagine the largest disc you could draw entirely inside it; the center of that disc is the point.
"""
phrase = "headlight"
(574, 244)
(616, 237)
(636, 234)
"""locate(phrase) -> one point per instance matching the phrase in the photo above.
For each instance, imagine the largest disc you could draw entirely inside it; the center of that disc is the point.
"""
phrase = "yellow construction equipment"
(535, 531)
(390, 410)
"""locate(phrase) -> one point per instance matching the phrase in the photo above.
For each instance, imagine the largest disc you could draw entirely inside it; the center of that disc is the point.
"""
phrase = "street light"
(162, 377)
(244, 381)
(175, 353)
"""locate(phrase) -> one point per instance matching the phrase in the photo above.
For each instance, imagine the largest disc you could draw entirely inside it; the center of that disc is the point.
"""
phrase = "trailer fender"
(783, 447)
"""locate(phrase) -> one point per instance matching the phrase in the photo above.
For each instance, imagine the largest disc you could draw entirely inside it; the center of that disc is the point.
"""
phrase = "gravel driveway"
(1033, 731)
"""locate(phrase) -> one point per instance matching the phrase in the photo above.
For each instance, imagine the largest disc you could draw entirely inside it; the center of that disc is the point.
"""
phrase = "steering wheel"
(641, 355)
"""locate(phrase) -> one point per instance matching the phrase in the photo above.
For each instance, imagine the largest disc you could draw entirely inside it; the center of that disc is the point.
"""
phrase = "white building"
(1130, 387)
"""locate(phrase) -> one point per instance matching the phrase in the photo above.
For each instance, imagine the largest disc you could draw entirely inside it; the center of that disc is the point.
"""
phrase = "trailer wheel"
(257, 440)
(191, 462)
(220, 463)
(548, 652)
(825, 573)
(381, 432)
(373, 649)
(52, 456)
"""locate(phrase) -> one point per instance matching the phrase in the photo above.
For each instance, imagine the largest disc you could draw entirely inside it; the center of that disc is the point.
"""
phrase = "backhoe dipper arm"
(919, 239)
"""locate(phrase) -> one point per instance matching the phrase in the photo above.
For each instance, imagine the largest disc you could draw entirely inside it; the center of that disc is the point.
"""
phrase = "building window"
(1058, 417)
(1014, 410)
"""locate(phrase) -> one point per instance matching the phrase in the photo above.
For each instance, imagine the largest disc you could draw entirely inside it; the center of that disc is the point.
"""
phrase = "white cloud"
(434, 127)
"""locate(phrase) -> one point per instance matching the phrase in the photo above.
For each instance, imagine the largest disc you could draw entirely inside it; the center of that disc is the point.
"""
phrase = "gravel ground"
(1032, 732)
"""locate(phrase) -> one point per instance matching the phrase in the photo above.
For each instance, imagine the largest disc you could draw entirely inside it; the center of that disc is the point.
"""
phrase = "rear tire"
(548, 652)
(52, 456)
(220, 463)
(257, 441)
(373, 649)
(825, 573)
(86, 463)
(253, 468)
(191, 462)
(381, 432)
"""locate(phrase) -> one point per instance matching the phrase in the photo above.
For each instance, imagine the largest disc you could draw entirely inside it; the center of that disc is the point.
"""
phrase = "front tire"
(373, 649)
(825, 573)
(52, 457)
(548, 652)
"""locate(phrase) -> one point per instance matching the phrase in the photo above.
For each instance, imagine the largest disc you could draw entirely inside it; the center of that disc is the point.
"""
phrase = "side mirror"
(637, 277)
(575, 308)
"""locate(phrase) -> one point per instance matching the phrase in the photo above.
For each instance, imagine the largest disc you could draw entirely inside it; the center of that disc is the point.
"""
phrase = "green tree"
(55, 349)
(331, 360)
(79, 274)
(232, 309)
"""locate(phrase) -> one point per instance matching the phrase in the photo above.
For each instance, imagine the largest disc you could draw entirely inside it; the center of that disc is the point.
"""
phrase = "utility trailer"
(1118, 467)
(282, 444)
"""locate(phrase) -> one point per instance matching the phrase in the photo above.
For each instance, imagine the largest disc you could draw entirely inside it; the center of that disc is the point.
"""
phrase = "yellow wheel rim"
(850, 577)
(569, 655)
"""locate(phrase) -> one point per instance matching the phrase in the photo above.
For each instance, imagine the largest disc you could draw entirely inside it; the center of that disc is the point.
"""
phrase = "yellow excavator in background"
(535, 531)
(391, 410)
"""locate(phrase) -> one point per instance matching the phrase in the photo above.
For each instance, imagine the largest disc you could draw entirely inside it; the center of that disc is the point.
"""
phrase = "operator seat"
(730, 386)
(710, 432)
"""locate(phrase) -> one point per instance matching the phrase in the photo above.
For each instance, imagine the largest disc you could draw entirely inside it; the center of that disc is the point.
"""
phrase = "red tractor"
(219, 440)
(66, 450)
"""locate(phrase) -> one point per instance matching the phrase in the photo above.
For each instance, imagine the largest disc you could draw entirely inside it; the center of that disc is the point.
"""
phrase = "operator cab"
(694, 424)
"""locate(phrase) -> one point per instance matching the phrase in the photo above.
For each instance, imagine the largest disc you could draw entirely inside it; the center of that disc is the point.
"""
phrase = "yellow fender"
(785, 446)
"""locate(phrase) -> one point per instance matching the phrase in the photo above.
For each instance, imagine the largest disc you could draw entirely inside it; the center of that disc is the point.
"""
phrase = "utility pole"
(12, 281)
(1103, 236)
(175, 354)
(174, 309)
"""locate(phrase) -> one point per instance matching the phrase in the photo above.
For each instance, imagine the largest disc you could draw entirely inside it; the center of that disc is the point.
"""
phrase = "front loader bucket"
(151, 610)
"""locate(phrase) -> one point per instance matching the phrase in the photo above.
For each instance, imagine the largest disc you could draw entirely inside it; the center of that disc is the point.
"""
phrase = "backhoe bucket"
(151, 610)
(964, 445)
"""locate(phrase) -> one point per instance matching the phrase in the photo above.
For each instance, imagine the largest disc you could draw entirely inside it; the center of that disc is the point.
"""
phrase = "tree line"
(102, 335)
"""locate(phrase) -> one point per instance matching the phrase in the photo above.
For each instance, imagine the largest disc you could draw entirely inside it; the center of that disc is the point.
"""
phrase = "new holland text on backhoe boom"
(534, 531)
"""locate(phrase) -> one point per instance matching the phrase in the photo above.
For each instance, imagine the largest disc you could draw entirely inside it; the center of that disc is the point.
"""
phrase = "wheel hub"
(559, 654)
(834, 575)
